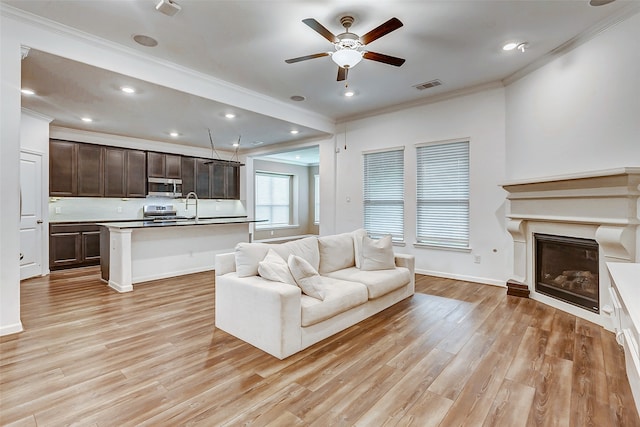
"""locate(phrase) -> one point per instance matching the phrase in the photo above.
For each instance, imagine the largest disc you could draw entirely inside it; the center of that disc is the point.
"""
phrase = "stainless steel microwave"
(164, 187)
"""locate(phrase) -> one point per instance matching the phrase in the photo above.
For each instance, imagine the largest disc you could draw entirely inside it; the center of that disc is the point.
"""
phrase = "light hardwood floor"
(454, 354)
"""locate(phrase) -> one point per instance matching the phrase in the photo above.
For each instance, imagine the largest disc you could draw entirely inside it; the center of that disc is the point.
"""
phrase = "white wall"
(479, 117)
(580, 112)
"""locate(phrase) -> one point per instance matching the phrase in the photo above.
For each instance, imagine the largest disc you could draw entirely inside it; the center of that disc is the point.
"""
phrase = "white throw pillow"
(377, 254)
(336, 252)
(248, 255)
(306, 248)
(357, 245)
(274, 268)
(305, 276)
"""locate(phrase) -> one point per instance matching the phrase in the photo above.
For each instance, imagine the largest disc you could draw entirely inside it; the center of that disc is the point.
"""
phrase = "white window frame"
(446, 191)
(316, 199)
(384, 193)
(269, 225)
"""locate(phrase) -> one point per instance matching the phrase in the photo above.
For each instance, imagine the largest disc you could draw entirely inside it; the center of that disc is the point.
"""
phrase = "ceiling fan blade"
(380, 57)
(342, 74)
(391, 25)
(304, 58)
(320, 29)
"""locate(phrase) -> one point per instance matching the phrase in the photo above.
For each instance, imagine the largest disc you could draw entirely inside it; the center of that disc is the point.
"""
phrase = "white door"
(30, 215)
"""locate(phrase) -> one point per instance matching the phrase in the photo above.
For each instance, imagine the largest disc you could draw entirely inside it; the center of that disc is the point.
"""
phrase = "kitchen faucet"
(186, 203)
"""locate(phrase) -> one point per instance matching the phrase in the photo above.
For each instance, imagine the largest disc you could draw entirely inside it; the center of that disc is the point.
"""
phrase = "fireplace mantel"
(601, 205)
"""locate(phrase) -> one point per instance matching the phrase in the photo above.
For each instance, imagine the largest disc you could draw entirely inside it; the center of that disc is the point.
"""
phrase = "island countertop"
(177, 223)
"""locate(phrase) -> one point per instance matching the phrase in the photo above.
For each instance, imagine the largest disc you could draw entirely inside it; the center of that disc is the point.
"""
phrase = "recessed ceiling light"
(349, 93)
(127, 89)
(257, 143)
(236, 144)
(230, 116)
(510, 46)
(174, 134)
(87, 119)
(145, 40)
(294, 132)
(27, 91)
(297, 157)
(297, 98)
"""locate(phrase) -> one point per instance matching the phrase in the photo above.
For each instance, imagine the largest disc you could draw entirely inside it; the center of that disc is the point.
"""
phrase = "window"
(316, 197)
(384, 193)
(443, 194)
(273, 199)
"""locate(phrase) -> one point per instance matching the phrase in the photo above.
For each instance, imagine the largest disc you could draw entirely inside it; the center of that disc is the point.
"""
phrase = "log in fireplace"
(567, 269)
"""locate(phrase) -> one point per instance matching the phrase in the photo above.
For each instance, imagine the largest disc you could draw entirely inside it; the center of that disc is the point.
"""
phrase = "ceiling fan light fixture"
(347, 58)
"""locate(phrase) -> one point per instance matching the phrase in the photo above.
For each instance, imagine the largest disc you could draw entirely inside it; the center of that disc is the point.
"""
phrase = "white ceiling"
(245, 42)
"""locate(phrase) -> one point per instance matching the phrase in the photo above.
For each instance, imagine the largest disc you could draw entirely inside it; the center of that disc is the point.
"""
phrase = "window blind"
(273, 199)
(443, 194)
(384, 194)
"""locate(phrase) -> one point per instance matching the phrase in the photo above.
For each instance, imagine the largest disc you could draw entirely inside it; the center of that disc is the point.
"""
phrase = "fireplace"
(600, 211)
(566, 268)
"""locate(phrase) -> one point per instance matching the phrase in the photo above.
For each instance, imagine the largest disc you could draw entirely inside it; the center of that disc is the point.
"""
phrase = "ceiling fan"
(350, 47)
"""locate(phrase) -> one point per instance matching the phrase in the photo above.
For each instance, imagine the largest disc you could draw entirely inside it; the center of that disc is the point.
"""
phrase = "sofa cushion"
(274, 268)
(379, 282)
(248, 255)
(377, 254)
(357, 245)
(305, 276)
(306, 248)
(340, 296)
(336, 252)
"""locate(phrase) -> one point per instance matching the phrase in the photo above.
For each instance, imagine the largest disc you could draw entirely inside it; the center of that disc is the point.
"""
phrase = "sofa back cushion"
(306, 248)
(336, 252)
(377, 254)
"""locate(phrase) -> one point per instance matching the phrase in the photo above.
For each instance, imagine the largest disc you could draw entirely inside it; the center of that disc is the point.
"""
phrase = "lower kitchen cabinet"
(73, 245)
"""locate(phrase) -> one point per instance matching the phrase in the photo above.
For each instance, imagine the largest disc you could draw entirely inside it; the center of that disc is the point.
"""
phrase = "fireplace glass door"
(567, 269)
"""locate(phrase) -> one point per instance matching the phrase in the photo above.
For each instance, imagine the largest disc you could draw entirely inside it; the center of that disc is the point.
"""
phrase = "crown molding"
(36, 115)
(320, 122)
(623, 14)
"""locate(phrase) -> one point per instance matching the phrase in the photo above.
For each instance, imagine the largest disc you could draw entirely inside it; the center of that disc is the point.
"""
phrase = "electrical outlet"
(272, 232)
(477, 259)
(58, 209)
(119, 209)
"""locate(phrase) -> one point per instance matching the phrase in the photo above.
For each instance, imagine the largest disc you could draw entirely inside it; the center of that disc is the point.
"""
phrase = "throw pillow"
(377, 254)
(306, 276)
(248, 255)
(274, 268)
(357, 245)
(336, 252)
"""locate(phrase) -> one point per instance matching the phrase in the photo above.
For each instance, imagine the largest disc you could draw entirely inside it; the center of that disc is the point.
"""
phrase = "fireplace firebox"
(567, 269)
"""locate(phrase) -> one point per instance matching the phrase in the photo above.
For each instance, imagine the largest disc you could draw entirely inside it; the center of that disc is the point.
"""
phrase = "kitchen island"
(138, 251)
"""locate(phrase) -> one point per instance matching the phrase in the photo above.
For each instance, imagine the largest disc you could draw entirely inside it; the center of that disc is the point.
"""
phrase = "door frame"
(44, 206)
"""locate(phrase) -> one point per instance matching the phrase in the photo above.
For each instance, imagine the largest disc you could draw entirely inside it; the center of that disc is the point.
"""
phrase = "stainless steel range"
(161, 213)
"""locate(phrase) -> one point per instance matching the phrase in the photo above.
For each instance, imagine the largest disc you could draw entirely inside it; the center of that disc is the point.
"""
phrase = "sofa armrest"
(408, 261)
(225, 263)
(266, 314)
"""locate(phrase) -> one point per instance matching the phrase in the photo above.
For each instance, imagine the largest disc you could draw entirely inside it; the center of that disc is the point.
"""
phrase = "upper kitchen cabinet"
(188, 167)
(90, 167)
(124, 172)
(225, 180)
(63, 174)
(161, 165)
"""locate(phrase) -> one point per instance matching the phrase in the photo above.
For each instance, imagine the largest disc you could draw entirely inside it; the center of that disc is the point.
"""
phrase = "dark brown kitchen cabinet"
(161, 165)
(203, 172)
(124, 172)
(73, 245)
(63, 177)
(90, 167)
(225, 181)
(188, 167)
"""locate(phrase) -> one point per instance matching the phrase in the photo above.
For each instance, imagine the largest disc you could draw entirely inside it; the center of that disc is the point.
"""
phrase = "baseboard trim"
(11, 329)
(474, 279)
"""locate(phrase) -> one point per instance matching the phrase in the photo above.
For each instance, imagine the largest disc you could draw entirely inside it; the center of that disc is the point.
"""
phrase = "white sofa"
(353, 277)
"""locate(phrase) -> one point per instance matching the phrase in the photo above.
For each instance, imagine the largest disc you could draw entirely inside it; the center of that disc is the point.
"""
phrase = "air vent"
(429, 84)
